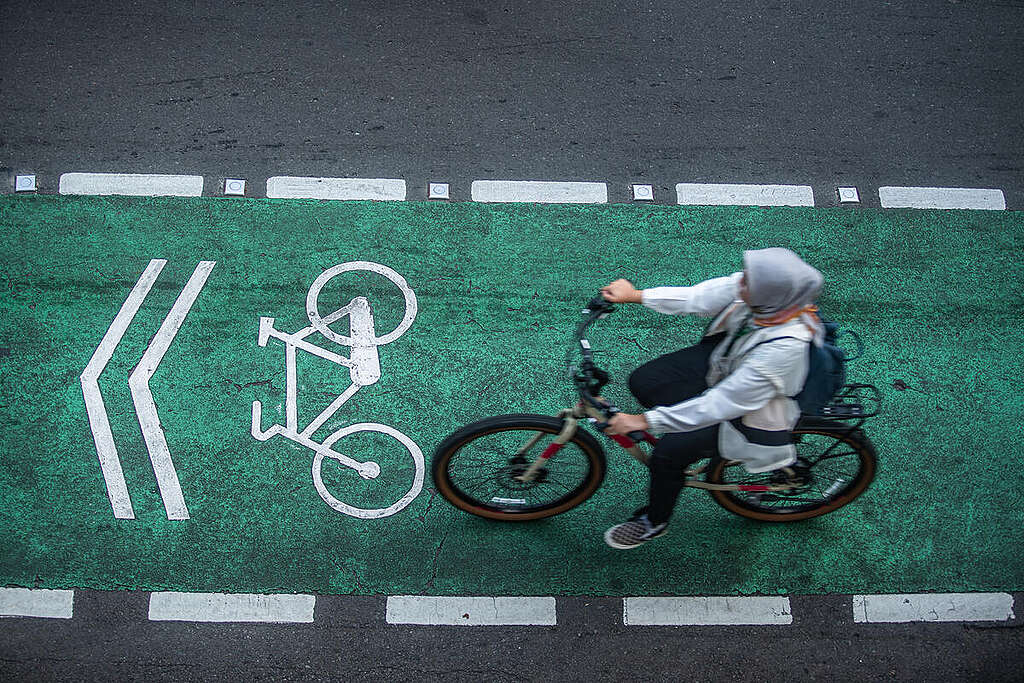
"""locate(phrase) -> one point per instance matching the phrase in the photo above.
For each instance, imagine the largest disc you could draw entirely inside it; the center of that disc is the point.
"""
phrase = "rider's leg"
(669, 459)
(674, 377)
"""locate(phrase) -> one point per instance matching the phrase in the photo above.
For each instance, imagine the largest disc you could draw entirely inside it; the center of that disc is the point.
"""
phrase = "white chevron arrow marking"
(138, 382)
(117, 489)
(145, 407)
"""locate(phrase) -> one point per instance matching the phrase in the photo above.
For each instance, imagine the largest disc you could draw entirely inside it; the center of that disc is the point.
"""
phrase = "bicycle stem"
(594, 378)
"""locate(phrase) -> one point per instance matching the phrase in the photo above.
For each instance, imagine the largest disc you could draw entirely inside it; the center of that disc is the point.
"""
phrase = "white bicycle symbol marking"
(364, 368)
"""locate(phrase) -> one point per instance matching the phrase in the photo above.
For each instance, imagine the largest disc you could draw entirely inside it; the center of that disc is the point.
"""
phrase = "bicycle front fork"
(570, 423)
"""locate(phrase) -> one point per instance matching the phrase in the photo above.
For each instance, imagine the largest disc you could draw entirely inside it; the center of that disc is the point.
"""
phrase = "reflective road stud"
(25, 183)
(848, 195)
(438, 191)
(643, 193)
(235, 186)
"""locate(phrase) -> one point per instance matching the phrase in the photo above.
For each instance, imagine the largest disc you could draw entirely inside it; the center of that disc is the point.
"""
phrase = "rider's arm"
(706, 298)
(773, 370)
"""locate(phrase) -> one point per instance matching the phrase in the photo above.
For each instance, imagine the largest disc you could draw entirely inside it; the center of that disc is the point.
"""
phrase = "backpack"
(826, 369)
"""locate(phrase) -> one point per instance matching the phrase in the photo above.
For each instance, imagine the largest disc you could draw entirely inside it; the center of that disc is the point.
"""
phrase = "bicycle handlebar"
(588, 378)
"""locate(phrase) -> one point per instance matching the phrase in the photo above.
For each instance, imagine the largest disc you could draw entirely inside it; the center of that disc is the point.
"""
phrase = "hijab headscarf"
(781, 286)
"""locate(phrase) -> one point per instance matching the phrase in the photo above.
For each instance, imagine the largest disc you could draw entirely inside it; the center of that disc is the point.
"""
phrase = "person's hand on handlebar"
(624, 423)
(622, 292)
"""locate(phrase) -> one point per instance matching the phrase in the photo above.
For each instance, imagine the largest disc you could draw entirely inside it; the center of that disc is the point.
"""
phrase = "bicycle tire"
(368, 513)
(752, 506)
(448, 481)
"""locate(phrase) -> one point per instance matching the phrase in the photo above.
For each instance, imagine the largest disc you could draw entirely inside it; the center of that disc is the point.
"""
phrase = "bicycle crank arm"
(366, 470)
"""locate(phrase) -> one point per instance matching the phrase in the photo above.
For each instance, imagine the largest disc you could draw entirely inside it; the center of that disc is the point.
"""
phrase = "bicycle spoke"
(486, 469)
(826, 466)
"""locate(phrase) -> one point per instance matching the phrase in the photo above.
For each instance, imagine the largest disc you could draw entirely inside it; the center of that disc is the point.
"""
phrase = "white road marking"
(364, 366)
(117, 489)
(902, 609)
(142, 397)
(132, 184)
(941, 198)
(706, 611)
(724, 194)
(29, 602)
(539, 191)
(231, 607)
(290, 187)
(470, 611)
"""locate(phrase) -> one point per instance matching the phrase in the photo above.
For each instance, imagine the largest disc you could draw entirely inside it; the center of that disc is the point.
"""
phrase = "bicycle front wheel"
(477, 468)
(834, 465)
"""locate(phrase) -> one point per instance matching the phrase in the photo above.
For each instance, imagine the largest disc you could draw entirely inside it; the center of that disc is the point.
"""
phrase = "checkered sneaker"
(633, 533)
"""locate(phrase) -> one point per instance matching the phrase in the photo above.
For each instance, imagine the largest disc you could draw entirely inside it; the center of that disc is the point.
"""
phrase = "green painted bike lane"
(935, 295)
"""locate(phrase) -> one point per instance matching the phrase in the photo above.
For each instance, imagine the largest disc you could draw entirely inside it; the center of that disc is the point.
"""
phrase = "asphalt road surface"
(826, 94)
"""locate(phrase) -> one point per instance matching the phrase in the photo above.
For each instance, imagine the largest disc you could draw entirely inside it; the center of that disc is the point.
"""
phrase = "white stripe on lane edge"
(724, 194)
(132, 184)
(291, 187)
(470, 611)
(901, 609)
(29, 602)
(941, 198)
(231, 607)
(538, 191)
(706, 611)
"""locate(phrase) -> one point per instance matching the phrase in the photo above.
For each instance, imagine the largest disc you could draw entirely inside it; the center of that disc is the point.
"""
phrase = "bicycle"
(487, 469)
(364, 370)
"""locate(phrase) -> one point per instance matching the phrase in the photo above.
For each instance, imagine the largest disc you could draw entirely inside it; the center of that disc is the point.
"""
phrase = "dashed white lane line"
(725, 194)
(132, 184)
(941, 198)
(29, 602)
(543, 192)
(231, 607)
(901, 609)
(291, 187)
(470, 611)
(707, 611)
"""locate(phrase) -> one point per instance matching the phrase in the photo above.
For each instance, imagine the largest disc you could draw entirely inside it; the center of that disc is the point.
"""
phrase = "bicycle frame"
(571, 419)
(364, 367)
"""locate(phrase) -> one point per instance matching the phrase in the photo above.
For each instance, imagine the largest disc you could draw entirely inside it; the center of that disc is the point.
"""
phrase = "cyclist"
(731, 393)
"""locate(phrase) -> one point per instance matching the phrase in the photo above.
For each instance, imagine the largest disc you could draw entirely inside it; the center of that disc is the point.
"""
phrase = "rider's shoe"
(635, 532)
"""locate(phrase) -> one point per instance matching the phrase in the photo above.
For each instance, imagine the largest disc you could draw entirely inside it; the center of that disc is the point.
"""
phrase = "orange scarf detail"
(787, 315)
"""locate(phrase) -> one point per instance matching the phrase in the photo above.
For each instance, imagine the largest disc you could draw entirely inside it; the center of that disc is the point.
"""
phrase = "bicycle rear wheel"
(834, 466)
(475, 468)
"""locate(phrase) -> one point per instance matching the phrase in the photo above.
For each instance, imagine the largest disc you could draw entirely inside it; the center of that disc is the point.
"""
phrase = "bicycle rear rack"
(853, 402)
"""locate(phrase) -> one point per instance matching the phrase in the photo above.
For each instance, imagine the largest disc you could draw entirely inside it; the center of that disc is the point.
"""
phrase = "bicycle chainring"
(800, 479)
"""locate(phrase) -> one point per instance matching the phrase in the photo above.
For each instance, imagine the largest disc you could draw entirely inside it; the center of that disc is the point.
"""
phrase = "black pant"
(665, 381)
